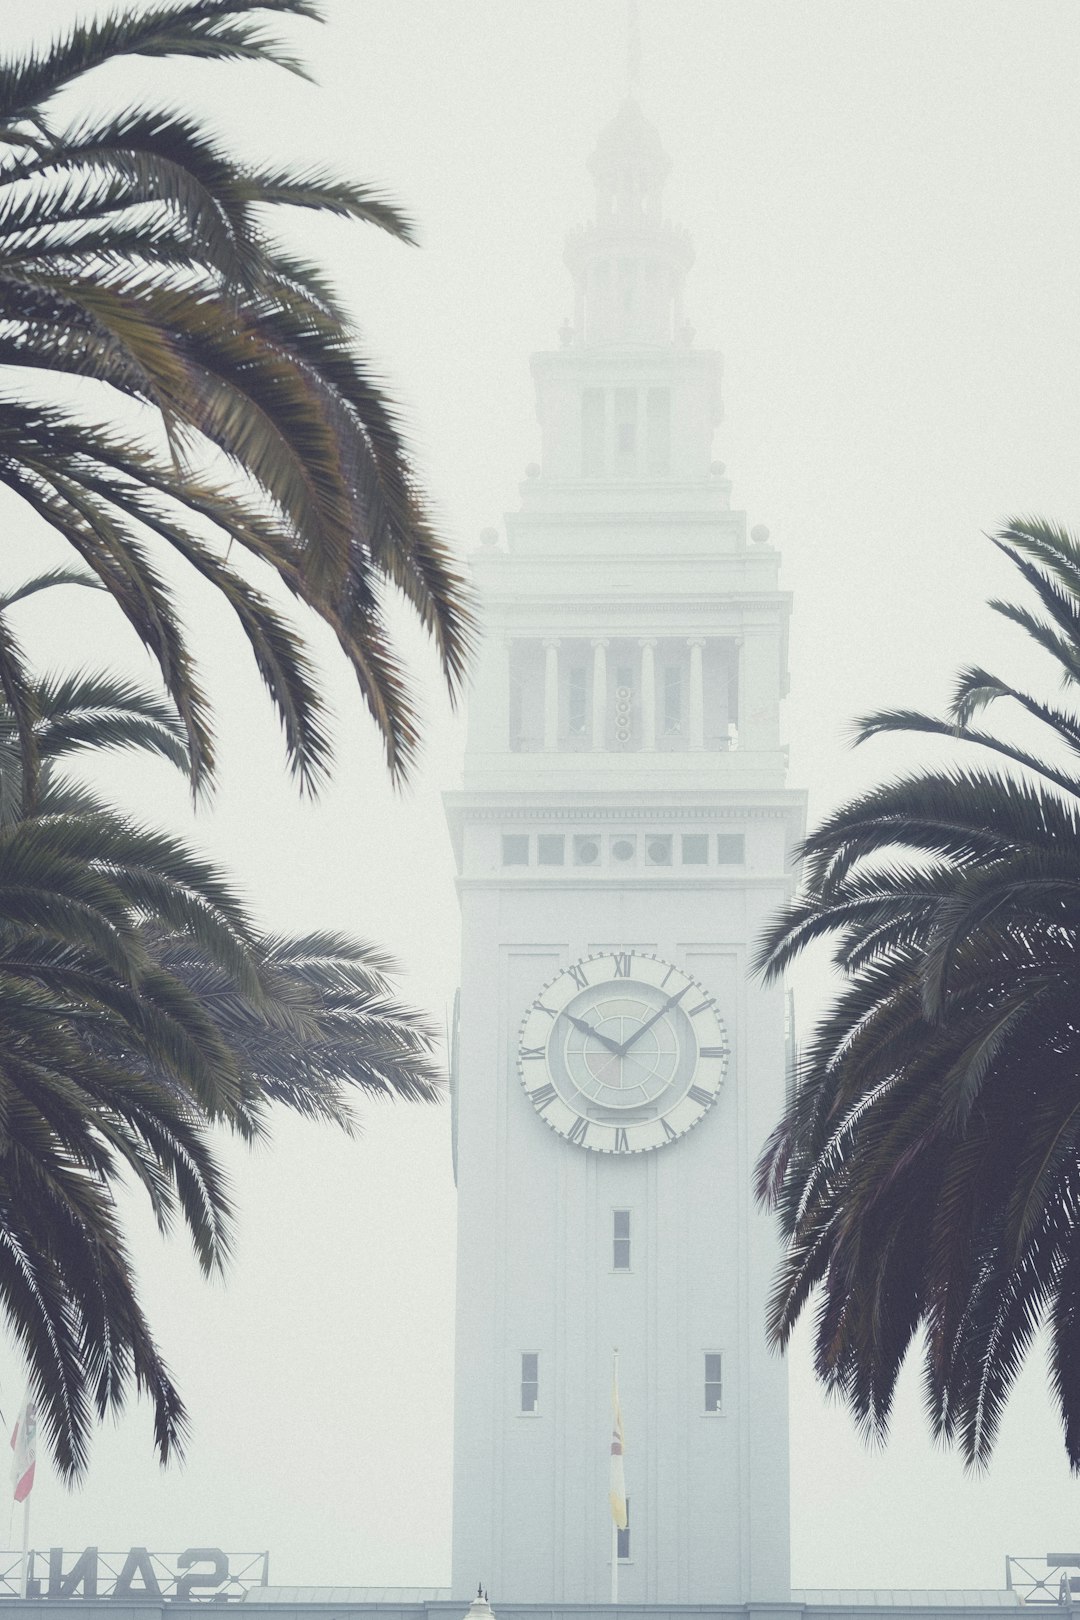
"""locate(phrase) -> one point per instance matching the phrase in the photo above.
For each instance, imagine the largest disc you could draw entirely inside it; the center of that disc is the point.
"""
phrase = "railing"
(198, 1574)
(1053, 1578)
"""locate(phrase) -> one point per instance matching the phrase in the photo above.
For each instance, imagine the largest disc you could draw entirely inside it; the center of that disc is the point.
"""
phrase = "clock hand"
(655, 1019)
(587, 1029)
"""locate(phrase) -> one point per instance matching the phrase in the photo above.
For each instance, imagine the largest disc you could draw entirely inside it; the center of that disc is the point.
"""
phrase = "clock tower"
(622, 835)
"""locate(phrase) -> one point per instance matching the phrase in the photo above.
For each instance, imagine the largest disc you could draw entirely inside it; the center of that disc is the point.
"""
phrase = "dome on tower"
(630, 141)
(628, 263)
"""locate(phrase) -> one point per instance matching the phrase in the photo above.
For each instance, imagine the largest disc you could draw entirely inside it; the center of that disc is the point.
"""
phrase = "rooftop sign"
(198, 1574)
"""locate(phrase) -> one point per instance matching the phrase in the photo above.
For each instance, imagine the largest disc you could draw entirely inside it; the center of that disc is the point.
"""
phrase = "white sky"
(883, 200)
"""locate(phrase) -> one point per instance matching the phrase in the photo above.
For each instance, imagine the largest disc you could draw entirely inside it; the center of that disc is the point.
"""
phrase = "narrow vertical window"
(714, 1381)
(530, 1381)
(577, 700)
(626, 431)
(622, 1550)
(672, 699)
(624, 704)
(658, 430)
(620, 1240)
(592, 433)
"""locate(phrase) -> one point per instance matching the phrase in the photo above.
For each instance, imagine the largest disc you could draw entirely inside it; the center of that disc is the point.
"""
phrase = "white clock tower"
(622, 835)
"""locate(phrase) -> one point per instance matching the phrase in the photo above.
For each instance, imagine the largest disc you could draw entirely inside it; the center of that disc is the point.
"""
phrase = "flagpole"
(23, 1566)
(614, 1562)
(614, 1525)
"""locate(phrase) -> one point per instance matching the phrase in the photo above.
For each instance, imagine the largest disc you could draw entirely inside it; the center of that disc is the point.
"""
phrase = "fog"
(883, 203)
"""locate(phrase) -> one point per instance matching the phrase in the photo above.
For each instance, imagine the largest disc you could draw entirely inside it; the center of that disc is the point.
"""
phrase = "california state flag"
(24, 1450)
(617, 1486)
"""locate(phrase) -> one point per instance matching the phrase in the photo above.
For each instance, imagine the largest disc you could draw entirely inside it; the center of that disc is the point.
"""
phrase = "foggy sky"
(883, 202)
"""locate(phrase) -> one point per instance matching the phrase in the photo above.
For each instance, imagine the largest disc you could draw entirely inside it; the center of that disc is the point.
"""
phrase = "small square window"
(550, 849)
(623, 849)
(714, 1381)
(586, 850)
(658, 851)
(695, 849)
(530, 1381)
(730, 849)
(515, 849)
(620, 1240)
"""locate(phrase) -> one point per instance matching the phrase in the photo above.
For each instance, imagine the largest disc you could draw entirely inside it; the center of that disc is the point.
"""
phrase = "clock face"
(622, 1052)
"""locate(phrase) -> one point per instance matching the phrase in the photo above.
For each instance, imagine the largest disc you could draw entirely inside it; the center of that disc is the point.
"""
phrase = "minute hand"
(655, 1019)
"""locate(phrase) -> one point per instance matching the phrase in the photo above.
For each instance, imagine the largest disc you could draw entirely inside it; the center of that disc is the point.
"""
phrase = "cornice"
(622, 813)
(784, 880)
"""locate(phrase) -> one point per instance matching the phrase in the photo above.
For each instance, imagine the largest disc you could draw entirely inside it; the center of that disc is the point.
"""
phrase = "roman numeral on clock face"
(711, 1051)
(530, 1053)
(702, 1006)
(542, 1096)
(577, 973)
(700, 1096)
(669, 1134)
(539, 1006)
(578, 1131)
(622, 1141)
(622, 960)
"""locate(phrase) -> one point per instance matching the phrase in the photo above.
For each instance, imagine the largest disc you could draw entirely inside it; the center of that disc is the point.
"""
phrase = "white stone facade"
(623, 793)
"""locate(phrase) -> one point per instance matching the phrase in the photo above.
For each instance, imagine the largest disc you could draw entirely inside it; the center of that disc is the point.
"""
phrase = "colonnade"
(695, 697)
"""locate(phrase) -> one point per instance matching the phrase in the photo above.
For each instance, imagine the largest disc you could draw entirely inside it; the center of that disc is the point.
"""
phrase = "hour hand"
(587, 1029)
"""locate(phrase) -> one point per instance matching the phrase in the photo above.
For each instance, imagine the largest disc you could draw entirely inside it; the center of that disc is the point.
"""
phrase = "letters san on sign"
(198, 1574)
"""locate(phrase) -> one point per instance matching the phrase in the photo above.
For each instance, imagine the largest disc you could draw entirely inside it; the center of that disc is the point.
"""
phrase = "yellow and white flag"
(617, 1488)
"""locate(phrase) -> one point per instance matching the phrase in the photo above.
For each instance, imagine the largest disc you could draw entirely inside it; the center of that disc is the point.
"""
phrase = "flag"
(617, 1488)
(24, 1449)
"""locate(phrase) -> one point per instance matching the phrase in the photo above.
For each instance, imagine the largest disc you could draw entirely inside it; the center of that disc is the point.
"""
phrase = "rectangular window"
(658, 430)
(620, 1240)
(515, 849)
(625, 431)
(624, 704)
(550, 849)
(672, 699)
(517, 707)
(730, 849)
(622, 1550)
(530, 1381)
(714, 1382)
(577, 700)
(695, 849)
(592, 432)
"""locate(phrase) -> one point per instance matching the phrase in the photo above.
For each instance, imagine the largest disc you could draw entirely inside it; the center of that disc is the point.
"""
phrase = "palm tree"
(135, 255)
(927, 1170)
(141, 1009)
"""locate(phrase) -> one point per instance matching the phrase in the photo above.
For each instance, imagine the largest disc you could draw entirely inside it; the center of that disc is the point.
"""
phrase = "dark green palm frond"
(18, 693)
(216, 29)
(46, 581)
(134, 252)
(926, 1173)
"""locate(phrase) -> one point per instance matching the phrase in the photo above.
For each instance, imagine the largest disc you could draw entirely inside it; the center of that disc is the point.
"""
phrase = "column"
(697, 695)
(599, 694)
(648, 695)
(551, 695)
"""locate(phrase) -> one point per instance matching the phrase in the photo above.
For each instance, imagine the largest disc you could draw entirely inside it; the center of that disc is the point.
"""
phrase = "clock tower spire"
(623, 832)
